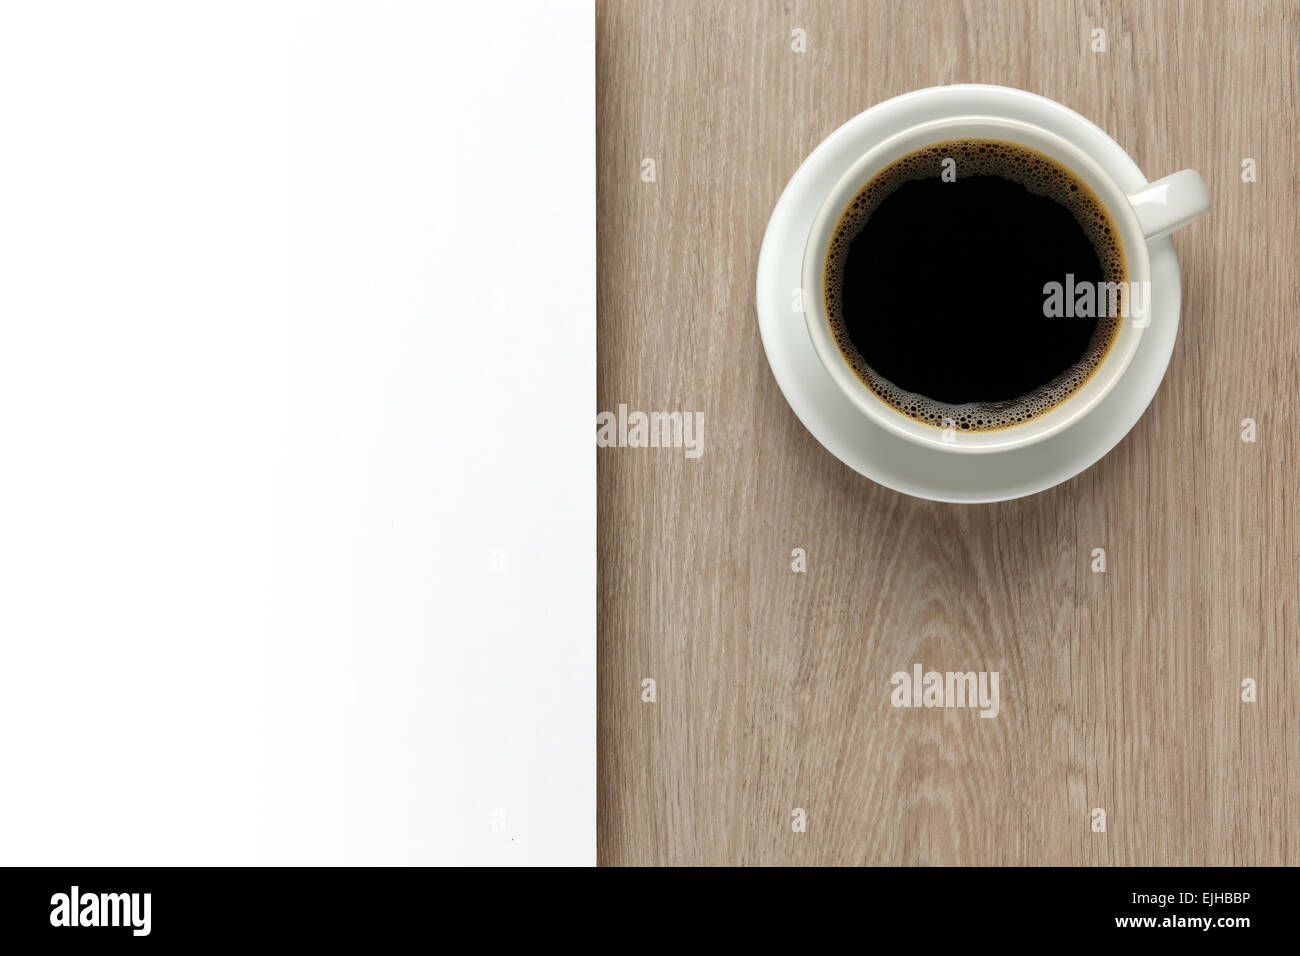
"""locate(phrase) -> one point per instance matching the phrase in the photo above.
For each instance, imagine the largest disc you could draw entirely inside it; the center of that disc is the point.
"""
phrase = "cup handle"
(1170, 203)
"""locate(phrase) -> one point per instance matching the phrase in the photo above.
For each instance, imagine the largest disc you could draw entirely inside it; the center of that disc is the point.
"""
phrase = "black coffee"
(936, 286)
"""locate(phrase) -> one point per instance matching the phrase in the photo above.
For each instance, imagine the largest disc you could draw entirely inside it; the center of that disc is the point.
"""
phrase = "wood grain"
(1120, 690)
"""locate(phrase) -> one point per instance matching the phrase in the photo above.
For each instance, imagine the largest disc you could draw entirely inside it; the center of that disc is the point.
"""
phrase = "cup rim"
(1107, 374)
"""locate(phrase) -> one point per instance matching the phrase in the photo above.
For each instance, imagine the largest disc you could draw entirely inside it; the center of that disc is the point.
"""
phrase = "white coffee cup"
(1153, 211)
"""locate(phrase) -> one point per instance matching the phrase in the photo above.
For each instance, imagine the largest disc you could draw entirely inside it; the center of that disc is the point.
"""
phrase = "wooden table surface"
(1120, 691)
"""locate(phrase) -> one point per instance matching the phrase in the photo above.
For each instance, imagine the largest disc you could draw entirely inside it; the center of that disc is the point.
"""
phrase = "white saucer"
(866, 447)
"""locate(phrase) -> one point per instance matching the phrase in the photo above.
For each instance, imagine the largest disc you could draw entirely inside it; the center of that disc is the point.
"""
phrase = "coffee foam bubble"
(1039, 174)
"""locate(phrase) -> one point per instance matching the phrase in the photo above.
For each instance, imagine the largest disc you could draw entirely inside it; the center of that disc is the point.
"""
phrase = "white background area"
(297, 479)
